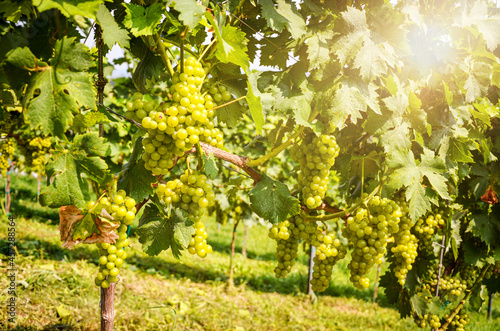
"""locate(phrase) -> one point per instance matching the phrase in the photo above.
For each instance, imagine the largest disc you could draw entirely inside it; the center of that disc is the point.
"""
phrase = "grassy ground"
(161, 293)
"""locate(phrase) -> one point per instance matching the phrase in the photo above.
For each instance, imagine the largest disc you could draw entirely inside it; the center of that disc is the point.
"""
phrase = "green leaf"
(230, 114)
(486, 227)
(408, 174)
(367, 49)
(448, 94)
(232, 47)
(112, 33)
(476, 299)
(67, 166)
(255, 106)
(191, 12)
(419, 304)
(479, 80)
(13, 10)
(136, 180)
(158, 231)
(489, 26)
(69, 8)
(318, 52)
(57, 91)
(283, 15)
(272, 201)
(210, 167)
(350, 100)
(142, 21)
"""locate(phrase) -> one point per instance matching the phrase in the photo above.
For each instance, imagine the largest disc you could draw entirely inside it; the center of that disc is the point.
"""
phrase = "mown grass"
(161, 293)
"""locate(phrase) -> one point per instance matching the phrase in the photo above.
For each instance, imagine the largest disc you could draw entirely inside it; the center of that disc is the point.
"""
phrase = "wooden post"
(244, 245)
(107, 294)
(230, 281)
(490, 305)
(7, 189)
(375, 290)
(312, 254)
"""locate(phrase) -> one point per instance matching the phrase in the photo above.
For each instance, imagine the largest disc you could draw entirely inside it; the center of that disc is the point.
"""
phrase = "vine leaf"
(159, 231)
(56, 90)
(142, 21)
(479, 80)
(363, 47)
(283, 15)
(112, 33)
(407, 173)
(318, 52)
(211, 169)
(86, 8)
(136, 179)
(75, 227)
(489, 26)
(349, 100)
(191, 12)
(486, 226)
(66, 167)
(272, 201)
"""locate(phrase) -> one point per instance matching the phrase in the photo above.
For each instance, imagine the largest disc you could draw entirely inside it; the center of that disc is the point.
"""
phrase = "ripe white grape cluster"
(176, 125)
(191, 193)
(329, 249)
(316, 155)
(368, 231)
(7, 149)
(112, 256)
(425, 229)
(198, 244)
(405, 244)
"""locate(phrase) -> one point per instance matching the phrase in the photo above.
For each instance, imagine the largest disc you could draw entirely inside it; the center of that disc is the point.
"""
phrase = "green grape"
(329, 249)
(316, 155)
(368, 231)
(198, 244)
(112, 255)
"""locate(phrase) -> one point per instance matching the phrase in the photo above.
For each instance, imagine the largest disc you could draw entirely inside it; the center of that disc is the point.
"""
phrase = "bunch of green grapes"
(425, 229)
(35, 152)
(198, 244)
(316, 155)
(180, 122)
(7, 149)
(190, 192)
(287, 247)
(368, 231)
(405, 244)
(329, 252)
(329, 249)
(459, 321)
(112, 255)
(494, 268)
(427, 320)
(468, 273)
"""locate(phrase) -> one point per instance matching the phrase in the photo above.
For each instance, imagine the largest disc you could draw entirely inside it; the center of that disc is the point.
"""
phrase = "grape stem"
(228, 103)
(465, 299)
(122, 117)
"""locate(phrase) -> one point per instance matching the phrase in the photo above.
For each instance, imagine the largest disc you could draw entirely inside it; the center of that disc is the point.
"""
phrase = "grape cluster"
(468, 273)
(36, 151)
(198, 244)
(329, 249)
(459, 321)
(112, 256)
(316, 155)
(180, 122)
(7, 149)
(191, 193)
(287, 247)
(427, 320)
(368, 231)
(425, 229)
(405, 245)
